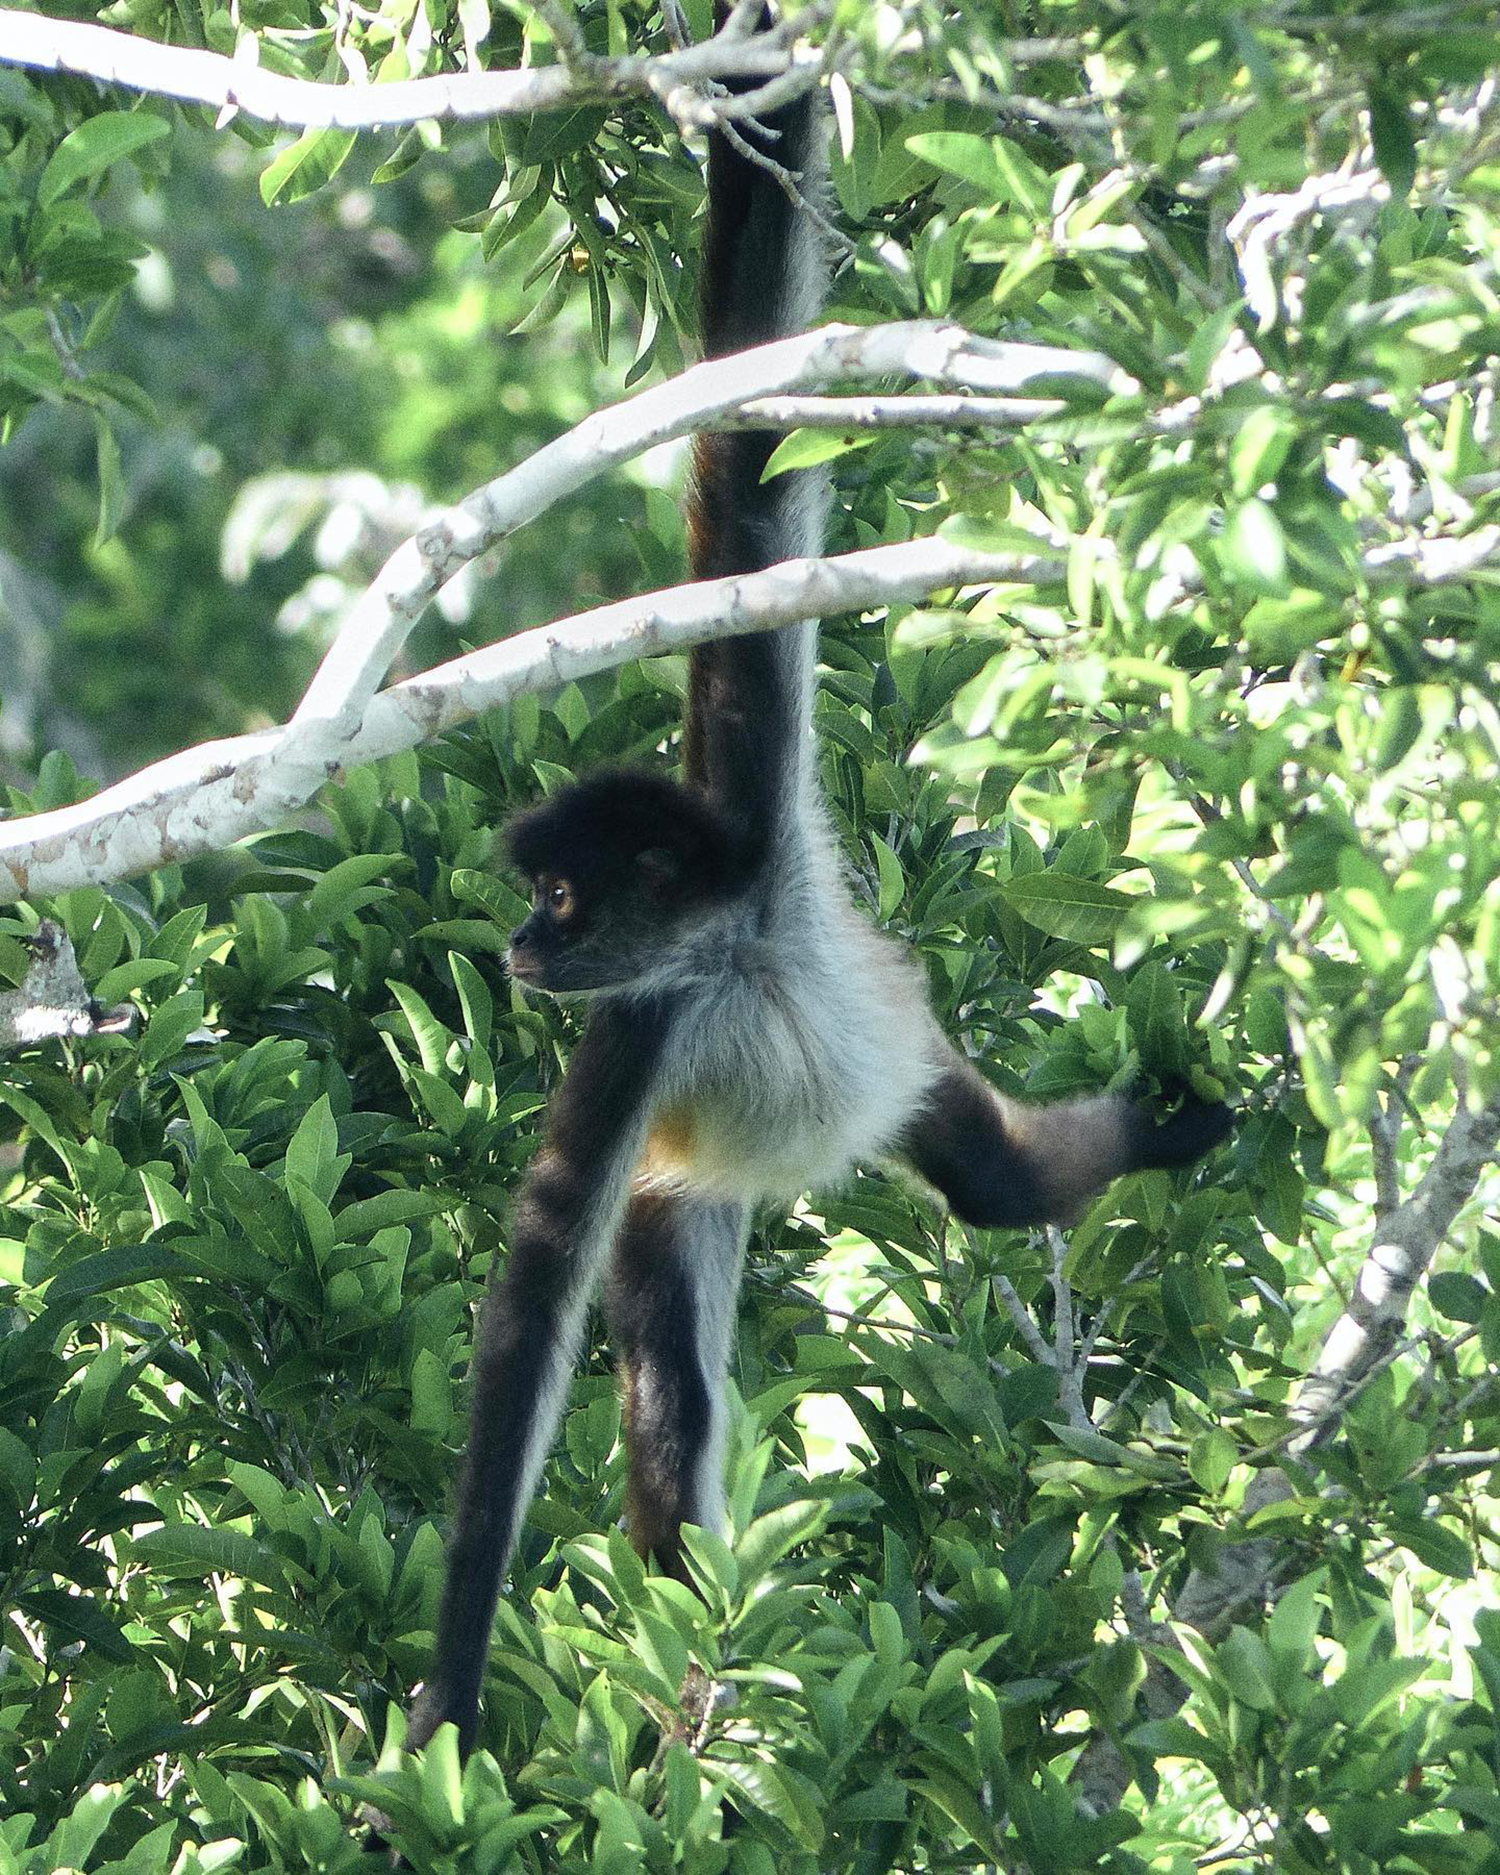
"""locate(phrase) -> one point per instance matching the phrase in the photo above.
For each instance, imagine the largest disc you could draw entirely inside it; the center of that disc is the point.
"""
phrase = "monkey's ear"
(660, 868)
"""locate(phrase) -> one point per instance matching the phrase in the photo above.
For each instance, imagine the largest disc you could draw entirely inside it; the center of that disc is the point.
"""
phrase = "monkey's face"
(622, 866)
(603, 925)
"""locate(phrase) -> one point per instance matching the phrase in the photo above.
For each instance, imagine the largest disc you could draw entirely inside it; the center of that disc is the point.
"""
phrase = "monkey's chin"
(533, 976)
(529, 976)
(528, 972)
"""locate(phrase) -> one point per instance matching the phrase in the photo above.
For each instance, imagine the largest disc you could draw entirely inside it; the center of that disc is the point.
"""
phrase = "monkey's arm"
(1001, 1163)
(567, 1215)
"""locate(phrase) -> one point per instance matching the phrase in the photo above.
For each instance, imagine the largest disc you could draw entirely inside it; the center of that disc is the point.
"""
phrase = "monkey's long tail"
(762, 277)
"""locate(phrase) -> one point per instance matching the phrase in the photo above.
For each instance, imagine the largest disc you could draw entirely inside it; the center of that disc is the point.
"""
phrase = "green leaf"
(474, 999)
(1278, 631)
(1293, 1626)
(134, 974)
(1245, 1663)
(776, 1792)
(1253, 548)
(169, 1028)
(1158, 1025)
(959, 153)
(365, 1216)
(431, 1037)
(1094, 1445)
(439, 1101)
(1394, 137)
(313, 1157)
(1079, 910)
(1437, 1546)
(1260, 448)
(892, 879)
(1461, 1298)
(111, 483)
(804, 449)
(504, 904)
(342, 891)
(190, 1548)
(1361, 1691)
(304, 166)
(554, 134)
(111, 1269)
(90, 149)
(431, 1395)
(1211, 1459)
(79, 1618)
(770, 1537)
(994, 166)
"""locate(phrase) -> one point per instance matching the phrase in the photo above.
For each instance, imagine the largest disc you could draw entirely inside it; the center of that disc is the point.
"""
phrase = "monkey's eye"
(560, 899)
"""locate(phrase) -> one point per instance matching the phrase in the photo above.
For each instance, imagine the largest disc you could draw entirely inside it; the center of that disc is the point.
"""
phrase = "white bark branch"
(1406, 1240)
(374, 631)
(220, 791)
(1245, 1573)
(890, 413)
(1385, 1137)
(1438, 560)
(677, 80)
(1263, 224)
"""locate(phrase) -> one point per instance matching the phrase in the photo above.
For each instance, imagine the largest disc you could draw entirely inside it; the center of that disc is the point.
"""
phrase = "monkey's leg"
(566, 1217)
(1000, 1162)
(671, 1300)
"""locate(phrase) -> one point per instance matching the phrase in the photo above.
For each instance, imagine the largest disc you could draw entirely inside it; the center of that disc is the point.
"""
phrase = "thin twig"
(1016, 1309)
(1064, 1331)
(1385, 1134)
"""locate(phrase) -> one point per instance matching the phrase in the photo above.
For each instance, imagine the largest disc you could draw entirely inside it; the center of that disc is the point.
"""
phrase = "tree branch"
(890, 413)
(1245, 1572)
(375, 629)
(1385, 1138)
(680, 81)
(1406, 1240)
(220, 791)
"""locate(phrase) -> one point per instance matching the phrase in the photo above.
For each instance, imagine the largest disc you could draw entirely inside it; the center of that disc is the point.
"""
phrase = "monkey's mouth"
(525, 968)
(535, 973)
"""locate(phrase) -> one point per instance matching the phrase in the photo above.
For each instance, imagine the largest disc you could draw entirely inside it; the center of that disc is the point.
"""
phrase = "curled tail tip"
(1182, 1137)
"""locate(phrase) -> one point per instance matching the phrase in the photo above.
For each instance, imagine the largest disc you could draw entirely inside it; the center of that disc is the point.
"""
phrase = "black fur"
(742, 716)
(959, 1145)
(593, 830)
(653, 1319)
(1181, 1139)
(622, 862)
(523, 1325)
(1002, 1164)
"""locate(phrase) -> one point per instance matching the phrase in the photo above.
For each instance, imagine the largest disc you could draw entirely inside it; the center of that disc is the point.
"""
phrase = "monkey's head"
(622, 865)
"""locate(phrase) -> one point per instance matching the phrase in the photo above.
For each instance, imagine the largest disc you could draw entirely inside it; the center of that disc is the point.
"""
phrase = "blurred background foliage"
(1213, 805)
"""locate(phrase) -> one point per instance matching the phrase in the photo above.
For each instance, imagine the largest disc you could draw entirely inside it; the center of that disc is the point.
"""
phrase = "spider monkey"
(750, 1033)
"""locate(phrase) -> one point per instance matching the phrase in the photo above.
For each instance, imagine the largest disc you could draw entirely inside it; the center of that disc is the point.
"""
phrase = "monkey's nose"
(521, 959)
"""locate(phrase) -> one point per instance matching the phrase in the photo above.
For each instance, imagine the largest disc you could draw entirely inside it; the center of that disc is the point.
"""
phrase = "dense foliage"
(1213, 804)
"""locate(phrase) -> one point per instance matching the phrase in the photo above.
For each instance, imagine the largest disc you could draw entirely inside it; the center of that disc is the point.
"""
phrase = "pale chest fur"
(799, 1054)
